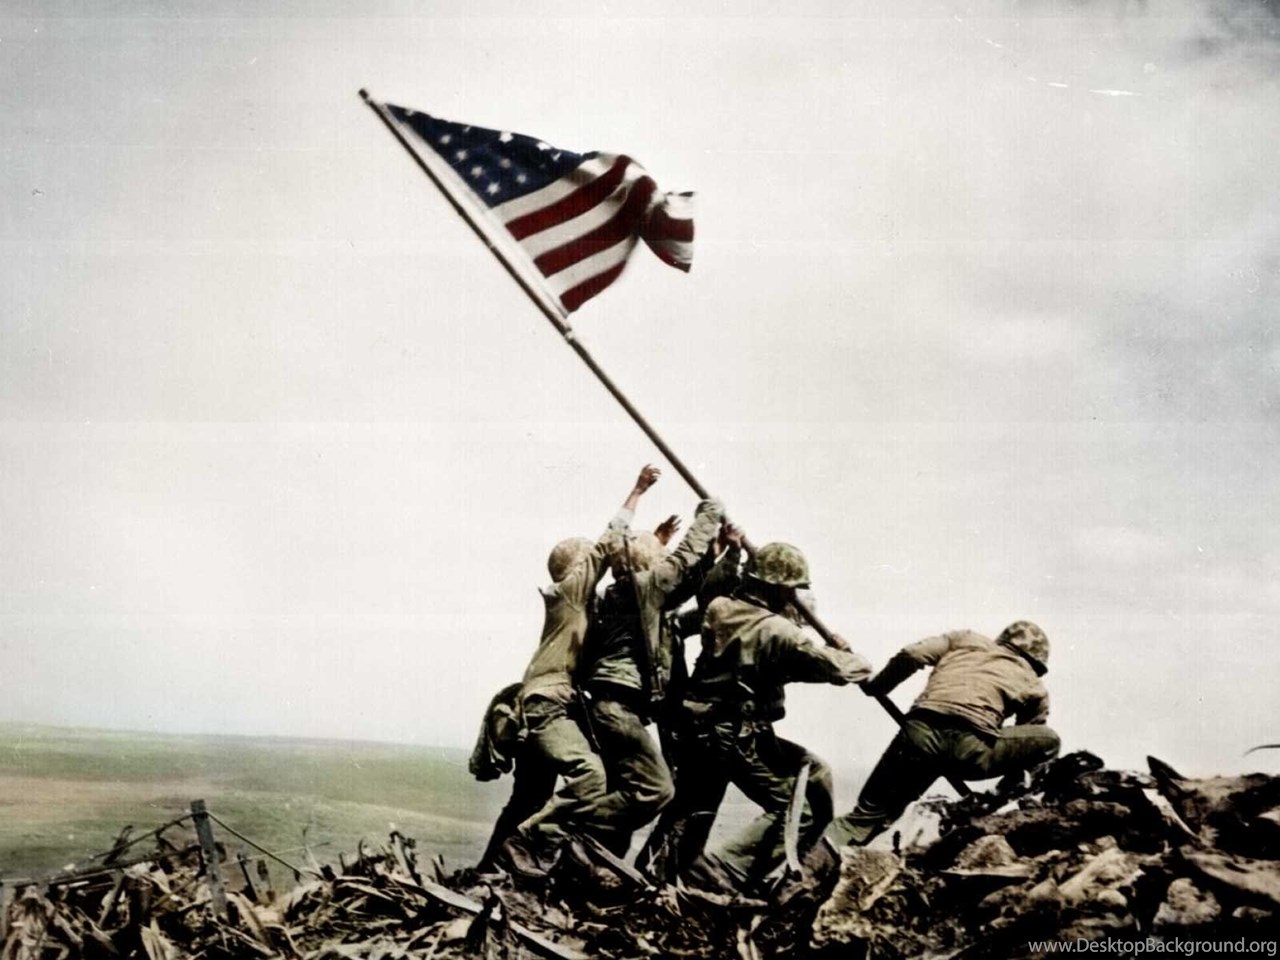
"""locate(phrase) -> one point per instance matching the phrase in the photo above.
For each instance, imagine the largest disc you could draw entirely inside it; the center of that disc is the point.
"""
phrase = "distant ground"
(66, 793)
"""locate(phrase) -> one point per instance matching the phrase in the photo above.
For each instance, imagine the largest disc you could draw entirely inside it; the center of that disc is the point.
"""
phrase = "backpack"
(501, 732)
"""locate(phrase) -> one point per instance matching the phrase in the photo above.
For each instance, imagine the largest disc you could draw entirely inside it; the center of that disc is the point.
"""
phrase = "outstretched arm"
(579, 583)
(621, 523)
(788, 655)
(649, 475)
(907, 661)
(668, 573)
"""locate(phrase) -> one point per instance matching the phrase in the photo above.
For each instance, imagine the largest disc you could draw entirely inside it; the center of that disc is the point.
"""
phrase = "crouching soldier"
(750, 652)
(955, 727)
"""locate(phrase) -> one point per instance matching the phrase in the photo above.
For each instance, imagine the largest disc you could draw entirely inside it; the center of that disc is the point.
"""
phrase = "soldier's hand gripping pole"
(891, 708)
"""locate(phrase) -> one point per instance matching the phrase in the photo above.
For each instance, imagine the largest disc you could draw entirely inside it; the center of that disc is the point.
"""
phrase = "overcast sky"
(981, 317)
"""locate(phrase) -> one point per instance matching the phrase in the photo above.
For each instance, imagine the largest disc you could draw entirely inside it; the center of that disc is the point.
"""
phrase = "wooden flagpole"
(567, 334)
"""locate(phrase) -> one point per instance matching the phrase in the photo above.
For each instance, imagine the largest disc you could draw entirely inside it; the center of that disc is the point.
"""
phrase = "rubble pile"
(1081, 852)
(163, 908)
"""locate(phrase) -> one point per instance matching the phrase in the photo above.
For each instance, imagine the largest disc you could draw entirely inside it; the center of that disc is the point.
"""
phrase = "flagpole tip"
(364, 94)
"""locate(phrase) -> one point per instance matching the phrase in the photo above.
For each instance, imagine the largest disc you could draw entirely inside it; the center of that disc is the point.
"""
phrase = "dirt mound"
(1081, 853)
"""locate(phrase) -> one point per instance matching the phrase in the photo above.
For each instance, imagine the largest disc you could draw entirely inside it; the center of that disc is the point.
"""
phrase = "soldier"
(955, 726)
(555, 743)
(632, 660)
(500, 749)
(750, 652)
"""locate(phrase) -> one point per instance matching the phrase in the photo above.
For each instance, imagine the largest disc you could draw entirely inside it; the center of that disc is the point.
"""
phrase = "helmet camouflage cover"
(1030, 641)
(780, 564)
(637, 553)
(565, 555)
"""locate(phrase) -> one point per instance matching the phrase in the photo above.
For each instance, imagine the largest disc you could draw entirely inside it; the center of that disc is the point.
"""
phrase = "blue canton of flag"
(496, 165)
(574, 217)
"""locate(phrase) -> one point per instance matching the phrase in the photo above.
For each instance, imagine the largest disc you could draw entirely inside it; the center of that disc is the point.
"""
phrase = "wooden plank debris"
(212, 861)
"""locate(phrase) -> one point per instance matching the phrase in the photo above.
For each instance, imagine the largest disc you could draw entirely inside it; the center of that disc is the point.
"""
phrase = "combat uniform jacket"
(973, 678)
(568, 605)
(643, 659)
(753, 654)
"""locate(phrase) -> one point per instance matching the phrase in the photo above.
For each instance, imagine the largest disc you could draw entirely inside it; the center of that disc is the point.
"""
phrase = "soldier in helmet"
(751, 649)
(955, 728)
(632, 660)
(555, 743)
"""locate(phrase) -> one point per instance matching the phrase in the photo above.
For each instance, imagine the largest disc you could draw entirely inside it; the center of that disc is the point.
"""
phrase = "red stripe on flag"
(618, 228)
(576, 203)
(662, 226)
(575, 297)
(667, 257)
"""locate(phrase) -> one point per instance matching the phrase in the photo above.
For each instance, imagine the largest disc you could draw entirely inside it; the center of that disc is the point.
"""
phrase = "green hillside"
(66, 793)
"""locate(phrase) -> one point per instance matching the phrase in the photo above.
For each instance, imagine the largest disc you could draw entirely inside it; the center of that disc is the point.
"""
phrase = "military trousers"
(534, 784)
(556, 744)
(765, 768)
(639, 780)
(931, 745)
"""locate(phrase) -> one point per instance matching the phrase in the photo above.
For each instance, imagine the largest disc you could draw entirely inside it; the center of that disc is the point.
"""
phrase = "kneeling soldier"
(955, 727)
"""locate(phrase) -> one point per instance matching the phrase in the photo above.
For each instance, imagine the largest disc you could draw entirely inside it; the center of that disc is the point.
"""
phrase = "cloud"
(1121, 547)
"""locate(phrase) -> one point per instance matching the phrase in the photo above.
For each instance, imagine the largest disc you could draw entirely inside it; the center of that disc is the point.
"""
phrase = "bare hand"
(667, 529)
(729, 534)
(648, 477)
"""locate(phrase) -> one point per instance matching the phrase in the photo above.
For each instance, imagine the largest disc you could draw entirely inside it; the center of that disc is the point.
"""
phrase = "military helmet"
(1030, 641)
(637, 553)
(780, 564)
(567, 554)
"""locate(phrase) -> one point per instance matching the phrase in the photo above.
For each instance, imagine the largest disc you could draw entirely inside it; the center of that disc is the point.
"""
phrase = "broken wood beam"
(539, 944)
(212, 863)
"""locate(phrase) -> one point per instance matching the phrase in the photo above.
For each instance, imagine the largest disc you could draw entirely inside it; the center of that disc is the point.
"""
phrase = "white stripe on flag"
(564, 281)
(562, 233)
(584, 173)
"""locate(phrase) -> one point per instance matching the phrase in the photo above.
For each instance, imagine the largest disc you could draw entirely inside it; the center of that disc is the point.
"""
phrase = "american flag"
(573, 217)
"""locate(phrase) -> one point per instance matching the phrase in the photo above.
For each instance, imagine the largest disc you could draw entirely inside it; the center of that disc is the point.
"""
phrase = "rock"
(1253, 915)
(1227, 813)
(1186, 905)
(1060, 778)
(1046, 891)
(989, 851)
(988, 863)
(1033, 830)
(1111, 869)
(885, 909)
(1258, 880)
(919, 827)
(1111, 900)
(455, 930)
(865, 875)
